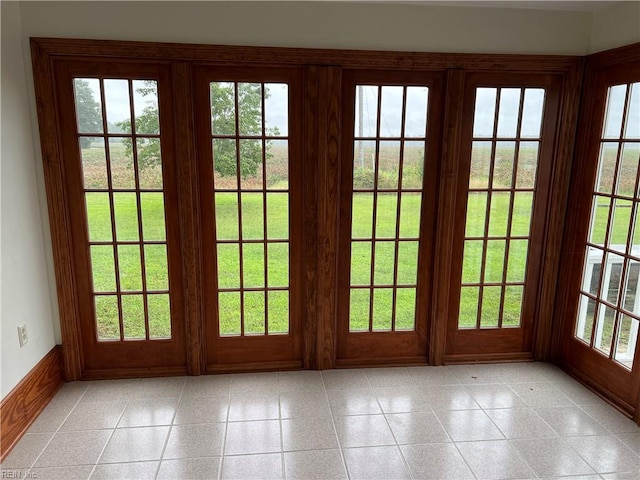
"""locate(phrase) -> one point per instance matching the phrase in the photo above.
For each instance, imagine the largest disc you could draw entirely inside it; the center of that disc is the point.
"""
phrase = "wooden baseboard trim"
(24, 403)
(488, 358)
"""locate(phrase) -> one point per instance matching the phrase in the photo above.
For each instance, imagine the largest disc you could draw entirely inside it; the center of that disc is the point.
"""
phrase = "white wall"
(317, 24)
(24, 294)
(615, 26)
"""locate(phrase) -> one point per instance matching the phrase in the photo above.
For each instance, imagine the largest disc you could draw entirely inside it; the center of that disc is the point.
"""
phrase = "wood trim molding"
(24, 403)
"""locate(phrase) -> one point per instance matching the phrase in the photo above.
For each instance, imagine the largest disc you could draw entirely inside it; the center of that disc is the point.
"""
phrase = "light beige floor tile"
(551, 457)
(375, 463)
(611, 419)
(570, 421)
(353, 402)
(520, 423)
(402, 399)
(81, 472)
(449, 397)
(308, 434)
(148, 412)
(51, 417)
(94, 416)
(541, 395)
(579, 394)
(190, 468)
(476, 374)
(417, 427)
(255, 383)
(301, 404)
(26, 451)
(469, 425)
(304, 380)
(73, 448)
(252, 467)
(125, 471)
(363, 431)
(110, 390)
(436, 461)
(243, 407)
(202, 410)
(524, 372)
(314, 465)
(164, 387)
(207, 386)
(198, 440)
(631, 440)
(345, 379)
(389, 377)
(494, 460)
(605, 453)
(495, 395)
(430, 376)
(244, 438)
(135, 445)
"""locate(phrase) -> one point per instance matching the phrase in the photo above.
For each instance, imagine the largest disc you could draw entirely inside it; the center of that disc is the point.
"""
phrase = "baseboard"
(24, 403)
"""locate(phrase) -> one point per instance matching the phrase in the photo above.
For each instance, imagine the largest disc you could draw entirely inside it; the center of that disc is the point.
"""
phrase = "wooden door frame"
(322, 123)
(573, 355)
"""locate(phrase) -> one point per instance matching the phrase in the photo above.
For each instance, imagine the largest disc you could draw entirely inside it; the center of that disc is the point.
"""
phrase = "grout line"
(226, 425)
(282, 468)
(333, 423)
(166, 442)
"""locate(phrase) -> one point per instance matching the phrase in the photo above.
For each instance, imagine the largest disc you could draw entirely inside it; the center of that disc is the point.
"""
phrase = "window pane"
(512, 306)
(384, 262)
(122, 171)
(503, 167)
(391, 111)
(386, 215)
(382, 308)
(103, 268)
(522, 213)
(251, 164)
(620, 225)
(98, 217)
(278, 312)
(468, 307)
(225, 164)
(532, 112)
(159, 316)
(476, 212)
(254, 313)
(276, 109)
(599, 219)
(628, 169)
(149, 163)
(88, 105)
(612, 278)
(359, 310)
(145, 107)
(516, 266)
(226, 216)
(631, 298)
(156, 268)
(277, 164)
(472, 262)
(495, 261)
(484, 112)
(508, 113)
(229, 313)
(94, 162)
(480, 165)
(252, 216)
(277, 216)
(133, 317)
(130, 267)
(389, 165)
(410, 215)
(406, 309)
(604, 329)
(584, 325)
(223, 108)
(613, 115)
(606, 167)
(116, 94)
(627, 339)
(153, 227)
(253, 264)
(362, 215)
(107, 321)
(250, 108)
(360, 263)
(366, 111)
(126, 215)
(499, 214)
(278, 264)
(364, 165)
(527, 165)
(407, 263)
(413, 165)
(490, 307)
(416, 112)
(632, 127)
(228, 265)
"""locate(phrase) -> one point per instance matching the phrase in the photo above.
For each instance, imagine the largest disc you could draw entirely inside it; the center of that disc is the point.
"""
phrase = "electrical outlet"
(22, 335)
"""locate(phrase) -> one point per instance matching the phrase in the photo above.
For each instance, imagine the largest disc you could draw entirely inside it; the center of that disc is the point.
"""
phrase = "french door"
(602, 307)
(389, 170)
(249, 164)
(507, 142)
(116, 124)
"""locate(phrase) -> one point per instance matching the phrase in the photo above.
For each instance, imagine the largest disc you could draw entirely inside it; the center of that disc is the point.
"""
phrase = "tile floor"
(473, 421)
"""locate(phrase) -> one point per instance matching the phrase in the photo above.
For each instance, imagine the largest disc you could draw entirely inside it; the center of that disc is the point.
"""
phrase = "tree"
(88, 111)
(223, 121)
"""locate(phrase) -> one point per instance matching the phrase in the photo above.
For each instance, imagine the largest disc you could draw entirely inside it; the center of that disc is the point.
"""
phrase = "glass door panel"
(251, 216)
(384, 172)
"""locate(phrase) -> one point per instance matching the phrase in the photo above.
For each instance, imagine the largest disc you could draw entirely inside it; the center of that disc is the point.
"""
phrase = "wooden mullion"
(136, 174)
(398, 207)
